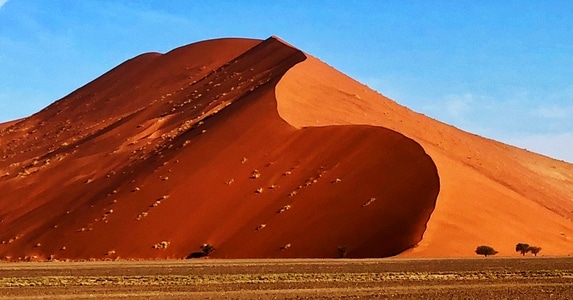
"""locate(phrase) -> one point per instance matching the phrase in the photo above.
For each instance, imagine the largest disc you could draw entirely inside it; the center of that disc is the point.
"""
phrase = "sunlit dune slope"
(167, 152)
(490, 193)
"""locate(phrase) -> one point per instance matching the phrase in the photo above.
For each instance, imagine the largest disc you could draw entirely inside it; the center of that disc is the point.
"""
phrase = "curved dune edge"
(158, 156)
(491, 193)
(295, 117)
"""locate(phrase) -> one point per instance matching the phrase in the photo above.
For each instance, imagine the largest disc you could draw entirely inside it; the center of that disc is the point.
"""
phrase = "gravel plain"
(475, 278)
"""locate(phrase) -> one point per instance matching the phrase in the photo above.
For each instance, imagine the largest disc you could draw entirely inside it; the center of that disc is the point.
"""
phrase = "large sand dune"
(167, 152)
(490, 193)
(262, 151)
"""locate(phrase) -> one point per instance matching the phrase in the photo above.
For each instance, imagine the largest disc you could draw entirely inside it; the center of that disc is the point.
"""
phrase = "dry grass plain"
(477, 278)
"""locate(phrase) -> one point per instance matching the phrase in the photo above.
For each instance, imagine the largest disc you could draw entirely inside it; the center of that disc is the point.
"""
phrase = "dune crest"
(167, 152)
(490, 193)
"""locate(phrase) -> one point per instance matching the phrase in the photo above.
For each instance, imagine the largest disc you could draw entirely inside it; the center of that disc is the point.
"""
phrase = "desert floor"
(476, 278)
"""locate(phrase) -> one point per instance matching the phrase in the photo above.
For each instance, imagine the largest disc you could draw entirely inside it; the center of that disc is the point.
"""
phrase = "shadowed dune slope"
(167, 152)
(490, 193)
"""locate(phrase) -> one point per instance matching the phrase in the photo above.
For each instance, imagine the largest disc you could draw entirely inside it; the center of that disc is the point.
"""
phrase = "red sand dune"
(490, 193)
(262, 151)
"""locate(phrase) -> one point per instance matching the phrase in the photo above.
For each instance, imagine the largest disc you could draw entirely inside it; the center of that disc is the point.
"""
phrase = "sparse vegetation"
(207, 249)
(284, 208)
(141, 216)
(342, 251)
(161, 245)
(485, 250)
(369, 202)
(534, 250)
(522, 248)
(255, 174)
(384, 279)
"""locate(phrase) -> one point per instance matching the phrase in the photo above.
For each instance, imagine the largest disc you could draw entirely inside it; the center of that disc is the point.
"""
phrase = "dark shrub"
(522, 248)
(485, 250)
(206, 249)
(534, 250)
(342, 251)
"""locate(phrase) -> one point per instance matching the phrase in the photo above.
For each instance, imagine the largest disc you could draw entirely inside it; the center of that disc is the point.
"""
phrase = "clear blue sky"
(501, 69)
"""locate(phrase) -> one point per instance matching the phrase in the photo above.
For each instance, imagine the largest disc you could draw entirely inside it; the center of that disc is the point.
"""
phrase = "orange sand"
(161, 151)
(262, 151)
(490, 193)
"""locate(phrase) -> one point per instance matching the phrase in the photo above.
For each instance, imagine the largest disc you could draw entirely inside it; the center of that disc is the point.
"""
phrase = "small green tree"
(534, 250)
(522, 248)
(485, 250)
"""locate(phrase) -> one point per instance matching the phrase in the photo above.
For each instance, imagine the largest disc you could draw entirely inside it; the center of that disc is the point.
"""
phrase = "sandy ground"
(476, 278)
